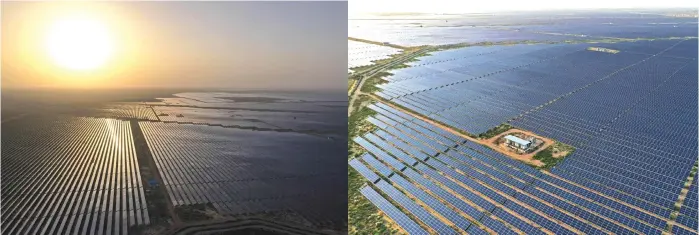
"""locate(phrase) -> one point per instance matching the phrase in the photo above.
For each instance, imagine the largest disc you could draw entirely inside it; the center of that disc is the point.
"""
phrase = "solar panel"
(364, 170)
(432, 202)
(415, 209)
(392, 212)
(380, 167)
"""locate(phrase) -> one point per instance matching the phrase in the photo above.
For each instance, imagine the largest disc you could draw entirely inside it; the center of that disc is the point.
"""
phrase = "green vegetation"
(376, 43)
(495, 131)
(683, 194)
(364, 217)
(369, 85)
(553, 154)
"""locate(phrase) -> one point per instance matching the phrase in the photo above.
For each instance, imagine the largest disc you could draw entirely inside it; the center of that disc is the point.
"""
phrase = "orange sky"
(241, 45)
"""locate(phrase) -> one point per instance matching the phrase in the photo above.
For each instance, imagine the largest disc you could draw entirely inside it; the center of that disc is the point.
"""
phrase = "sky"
(238, 45)
(449, 6)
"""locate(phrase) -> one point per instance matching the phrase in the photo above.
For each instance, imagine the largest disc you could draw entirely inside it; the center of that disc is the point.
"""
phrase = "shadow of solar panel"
(392, 212)
(471, 196)
(448, 197)
(432, 202)
(415, 209)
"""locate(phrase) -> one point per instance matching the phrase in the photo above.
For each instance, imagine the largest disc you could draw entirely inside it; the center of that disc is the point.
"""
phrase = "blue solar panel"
(390, 149)
(364, 170)
(415, 209)
(476, 231)
(414, 151)
(630, 160)
(432, 202)
(392, 212)
(456, 188)
(496, 226)
(379, 153)
(445, 195)
(681, 231)
(517, 223)
(380, 167)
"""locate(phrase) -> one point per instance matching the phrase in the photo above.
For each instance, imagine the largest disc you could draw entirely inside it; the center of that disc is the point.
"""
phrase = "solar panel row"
(83, 178)
(626, 172)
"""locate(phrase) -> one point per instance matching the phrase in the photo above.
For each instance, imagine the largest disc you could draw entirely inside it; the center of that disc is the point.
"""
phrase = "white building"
(516, 142)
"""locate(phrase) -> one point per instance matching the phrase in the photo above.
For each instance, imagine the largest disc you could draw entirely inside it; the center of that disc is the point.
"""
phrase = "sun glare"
(79, 44)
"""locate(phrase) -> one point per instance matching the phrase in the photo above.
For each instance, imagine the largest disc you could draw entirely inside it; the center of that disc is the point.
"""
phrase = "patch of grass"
(495, 131)
(369, 85)
(546, 155)
(364, 217)
(357, 124)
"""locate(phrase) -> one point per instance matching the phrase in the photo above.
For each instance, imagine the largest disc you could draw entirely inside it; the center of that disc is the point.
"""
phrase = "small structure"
(153, 183)
(518, 143)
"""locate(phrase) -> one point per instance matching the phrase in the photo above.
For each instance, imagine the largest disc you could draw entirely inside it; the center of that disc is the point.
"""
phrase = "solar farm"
(362, 54)
(520, 27)
(144, 167)
(628, 110)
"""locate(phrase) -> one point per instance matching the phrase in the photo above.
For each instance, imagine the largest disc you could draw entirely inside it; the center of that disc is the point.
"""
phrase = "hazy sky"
(450, 6)
(266, 45)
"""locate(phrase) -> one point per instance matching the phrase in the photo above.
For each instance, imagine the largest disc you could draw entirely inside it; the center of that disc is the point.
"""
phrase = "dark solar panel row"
(419, 212)
(432, 202)
(445, 195)
(379, 153)
(376, 164)
(451, 185)
(517, 223)
(81, 179)
(413, 141)
(392, 212)
(364, 170)
(211, 171)
(410, 149)
(390, 149)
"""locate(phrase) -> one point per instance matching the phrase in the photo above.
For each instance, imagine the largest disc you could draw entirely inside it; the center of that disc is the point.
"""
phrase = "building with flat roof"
(516, 142)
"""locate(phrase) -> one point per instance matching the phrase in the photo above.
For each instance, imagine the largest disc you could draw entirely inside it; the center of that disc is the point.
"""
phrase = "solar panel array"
(70, 176)
(241, 172)
(127, 111)
(627, 172)
(520, 27)
(363, 54)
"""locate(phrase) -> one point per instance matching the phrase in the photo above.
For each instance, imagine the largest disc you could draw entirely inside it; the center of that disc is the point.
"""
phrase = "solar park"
(362, 54)
(631, 116)
(82, 178)
(117, 168)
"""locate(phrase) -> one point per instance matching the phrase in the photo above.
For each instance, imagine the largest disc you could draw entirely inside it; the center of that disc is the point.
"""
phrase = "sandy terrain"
(528, 158)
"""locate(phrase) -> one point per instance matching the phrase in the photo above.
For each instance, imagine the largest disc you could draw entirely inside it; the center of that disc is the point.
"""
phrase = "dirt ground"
(529, 157)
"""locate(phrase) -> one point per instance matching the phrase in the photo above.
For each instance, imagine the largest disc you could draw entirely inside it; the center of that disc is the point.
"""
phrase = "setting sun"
(79, 43)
